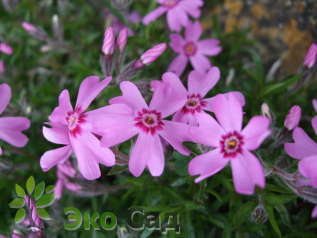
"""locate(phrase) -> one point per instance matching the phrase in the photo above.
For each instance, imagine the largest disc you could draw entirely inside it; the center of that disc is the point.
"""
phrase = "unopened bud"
(122, 39)
(152, 54)
(293, 117)
(315, 104)
(266, 111)
(259, 215)
(6, 49)
(30, 28)
(108, 42)
(310, 58)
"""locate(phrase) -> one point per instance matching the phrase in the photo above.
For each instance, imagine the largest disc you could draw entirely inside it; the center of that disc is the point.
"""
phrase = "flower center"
(190, 49)
(74, 120)
(231, 144)
(170, 3)
(194, 104)
(150, 121)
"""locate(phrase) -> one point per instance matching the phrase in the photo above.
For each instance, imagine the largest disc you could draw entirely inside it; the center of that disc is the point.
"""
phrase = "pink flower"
(305, 150)
(149, 56)
(177, 12)
(30, 28)
(232, 144)
(199, 84)
(315, 104)
(148, 123)
(5, 48)
(310, 58)
(11, 127)
(293, 117)
(192, 49)
(108, 42)
(74, 128)
(122, 39)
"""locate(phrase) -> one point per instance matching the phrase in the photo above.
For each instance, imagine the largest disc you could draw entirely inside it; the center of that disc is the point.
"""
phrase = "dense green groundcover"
(209, 209)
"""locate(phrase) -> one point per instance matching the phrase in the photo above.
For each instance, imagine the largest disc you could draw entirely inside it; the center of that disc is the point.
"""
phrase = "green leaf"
(30, 185)
(50, 189)
(39, 190)
(17, 203)
(19, 191)
(273, 221)
(280, 86)
(117, 170)
(20, 215)
(46, 200)
(243, 213)
(43, 214)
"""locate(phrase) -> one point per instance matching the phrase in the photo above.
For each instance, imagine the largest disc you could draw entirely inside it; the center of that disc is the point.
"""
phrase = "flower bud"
(266, 111)
(315, 104)
(310, 58)
(2, 68)
(6, 49)
(259, 215)
(122, 39)
(293, 117)
(29, 27)
(314, 212)
(108, 42)
(149, 56)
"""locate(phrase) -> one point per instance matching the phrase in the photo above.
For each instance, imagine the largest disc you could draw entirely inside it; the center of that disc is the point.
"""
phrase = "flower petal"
(52, 157)
(193, 31)
(5, 96)
(206, 165)
(303, 145)
(242, 179)
(140, 153)
(202, 83)
(192, 7)
(177, 42)
(172, 20)
(308, 168)
(178, 64)
(255, 132)
(57, 135)
(59, 114)
(256, 171)
(200, 62)
(175, 134)
(131, 96)
(169, 96)
(152, 16)
(314, 124)
(89, 90)
(156, 159)
(10, 130)
(239, 96)
(209, 47)
(209, 131)
(228, 111)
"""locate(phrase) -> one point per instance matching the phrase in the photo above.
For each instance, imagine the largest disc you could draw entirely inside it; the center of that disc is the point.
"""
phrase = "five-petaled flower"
(11, 127)
(192, 49)
(148, 123)
(177, 12)
(74, 128)
(231, 144)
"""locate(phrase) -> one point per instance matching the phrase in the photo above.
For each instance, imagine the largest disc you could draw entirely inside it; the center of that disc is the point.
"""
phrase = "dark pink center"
(150, 121)
(74, 120)
(231, 144)
(190, 49)
(170, 3)
(194, 104)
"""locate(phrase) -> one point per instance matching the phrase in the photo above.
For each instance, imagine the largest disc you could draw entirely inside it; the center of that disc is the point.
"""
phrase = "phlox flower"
(311, 56)
(11, 127)
(305, 150)
(231, 144)
(192, 49)
(199, 84)
(177, 12)
(74, 128)
(147, 122)
(293, 117)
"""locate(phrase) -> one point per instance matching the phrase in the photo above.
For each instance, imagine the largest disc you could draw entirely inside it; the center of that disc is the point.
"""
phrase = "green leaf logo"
(42, 197)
